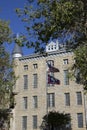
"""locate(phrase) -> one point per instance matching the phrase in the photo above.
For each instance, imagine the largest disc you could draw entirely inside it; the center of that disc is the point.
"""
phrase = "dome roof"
(17, 49)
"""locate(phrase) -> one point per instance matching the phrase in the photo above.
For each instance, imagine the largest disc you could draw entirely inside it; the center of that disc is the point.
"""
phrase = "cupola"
(17, 51)
(52, 46)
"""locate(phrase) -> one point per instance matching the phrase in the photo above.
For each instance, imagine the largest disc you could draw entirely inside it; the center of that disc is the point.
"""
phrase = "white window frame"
(35, 80)
(35, 101)
(24, 122)
(80, 120)
(79, 98)
(67, 99)
(51, 99)
(25, 81)
(66, 77)
(34, 121)
(25, 102)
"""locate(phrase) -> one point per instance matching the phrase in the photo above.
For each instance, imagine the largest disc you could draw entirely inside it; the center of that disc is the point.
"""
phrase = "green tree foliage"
(7, 76)
(45, 19)
(48, 19)
(5, 32)
(80, 67)
(55, 120)
(7, 81)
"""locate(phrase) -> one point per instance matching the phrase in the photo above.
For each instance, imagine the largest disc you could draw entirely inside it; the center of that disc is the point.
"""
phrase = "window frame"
(25, 82)
(50, 99)
(25, 102)
(24, 122)
(35, 80)
(67, 99)
(51, 62)
(65, 61)
(35, 101)
(80, 120)
(66, 77)
(35, 66)
(79, 98)
(34, 121)
(25, 67)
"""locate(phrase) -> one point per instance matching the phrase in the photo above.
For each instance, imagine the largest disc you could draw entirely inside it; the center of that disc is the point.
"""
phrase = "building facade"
(38, 93)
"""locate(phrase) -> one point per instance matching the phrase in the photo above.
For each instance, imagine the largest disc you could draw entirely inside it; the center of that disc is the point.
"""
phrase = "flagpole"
(52, 80)
(46, 91)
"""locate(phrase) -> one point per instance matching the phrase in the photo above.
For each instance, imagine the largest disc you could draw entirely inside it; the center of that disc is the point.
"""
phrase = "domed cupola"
(17, 51)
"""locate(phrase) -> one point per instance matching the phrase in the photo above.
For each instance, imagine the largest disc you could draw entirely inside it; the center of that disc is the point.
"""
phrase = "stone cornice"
(37, 56)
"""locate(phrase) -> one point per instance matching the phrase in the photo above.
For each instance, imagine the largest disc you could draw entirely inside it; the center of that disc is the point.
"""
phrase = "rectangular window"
(67, 99)
(25, 67)
(35, 122)
(25, 81)
(52, 74)
(51, 100)
(35, 66)
(55, 47)
(65, 61)
(80, 120)
(51, 63)
(35, 78)
(25, 100)
(35, 101)
(79, 98)
(68, 125)
(24, 123)
(66, 77)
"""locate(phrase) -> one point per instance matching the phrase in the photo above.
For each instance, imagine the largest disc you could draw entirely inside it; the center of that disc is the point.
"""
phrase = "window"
(24, 123)
(50, 84)
(35, 122)
(65, 61)
(35, 66)
(55, 47)
(51, 62)
(35, 102)
(80, 120)
(66, 77)
(25, 81)
(68, 125)
(50, 99)
(48, 47)
(35, 80)
(25, 100)
(52, 47)
(79, 98)
(25, 67)
(67, 99)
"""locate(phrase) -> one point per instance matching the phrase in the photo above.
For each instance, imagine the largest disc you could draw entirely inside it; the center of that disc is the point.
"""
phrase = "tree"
(79, 68)
(7, 77)
(7, 81)
(65, 19)
(47, 19)
(5, 32)
(55, 120)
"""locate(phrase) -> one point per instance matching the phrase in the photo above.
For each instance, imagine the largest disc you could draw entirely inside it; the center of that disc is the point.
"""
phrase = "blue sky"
(7, 12)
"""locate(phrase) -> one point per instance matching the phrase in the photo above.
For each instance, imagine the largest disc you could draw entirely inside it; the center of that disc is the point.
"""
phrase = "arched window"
(51, 62)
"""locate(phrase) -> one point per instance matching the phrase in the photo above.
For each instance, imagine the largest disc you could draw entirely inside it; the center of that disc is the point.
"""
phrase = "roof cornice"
(33, 56)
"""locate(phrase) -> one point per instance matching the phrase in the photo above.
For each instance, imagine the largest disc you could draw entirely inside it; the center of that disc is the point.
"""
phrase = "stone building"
(38, 93)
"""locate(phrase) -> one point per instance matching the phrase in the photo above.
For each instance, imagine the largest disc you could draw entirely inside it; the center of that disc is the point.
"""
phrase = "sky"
(7, 12)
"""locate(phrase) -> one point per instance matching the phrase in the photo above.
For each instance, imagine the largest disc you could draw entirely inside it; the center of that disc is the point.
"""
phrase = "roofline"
(36, 55)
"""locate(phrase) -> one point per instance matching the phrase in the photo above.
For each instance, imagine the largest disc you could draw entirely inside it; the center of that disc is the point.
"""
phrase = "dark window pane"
(80, 120)
(24, 123)
(35, 122)
(67, 99)
(25, 81)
